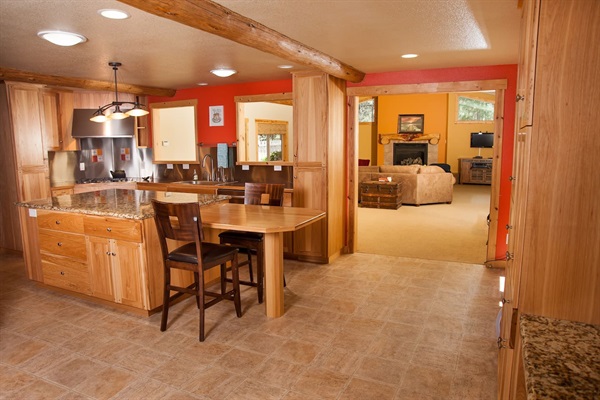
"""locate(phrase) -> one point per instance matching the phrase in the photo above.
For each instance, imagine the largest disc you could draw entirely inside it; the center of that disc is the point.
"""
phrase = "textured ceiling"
(369, 35)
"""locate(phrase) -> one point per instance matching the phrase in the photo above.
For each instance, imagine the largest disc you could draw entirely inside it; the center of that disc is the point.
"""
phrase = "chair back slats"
(264, 193)
(178, 221)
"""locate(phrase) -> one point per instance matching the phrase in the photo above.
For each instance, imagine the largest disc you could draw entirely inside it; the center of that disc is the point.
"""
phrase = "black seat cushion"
(211, 253)
(235, 235)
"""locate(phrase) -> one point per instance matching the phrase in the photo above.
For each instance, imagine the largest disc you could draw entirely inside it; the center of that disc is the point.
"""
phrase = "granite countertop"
(118, 203)
(561, 358)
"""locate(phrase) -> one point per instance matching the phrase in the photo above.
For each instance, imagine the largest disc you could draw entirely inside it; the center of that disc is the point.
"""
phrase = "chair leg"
(235, 277)
(200, 294)
(260, 271)
(196, 281)
(166, 296)
(250, 265)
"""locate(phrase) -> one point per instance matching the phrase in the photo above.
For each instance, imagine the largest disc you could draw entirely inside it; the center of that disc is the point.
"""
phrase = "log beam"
(88, 84)
(213, 18)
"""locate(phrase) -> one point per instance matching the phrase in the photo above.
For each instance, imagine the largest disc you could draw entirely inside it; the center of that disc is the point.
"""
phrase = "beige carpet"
(446, 232)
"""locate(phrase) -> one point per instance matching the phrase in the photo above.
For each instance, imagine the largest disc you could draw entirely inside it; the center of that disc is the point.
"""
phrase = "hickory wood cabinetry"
(115, 259)
(63, 251)
(319, 142)
(475, 170)
(553, 261)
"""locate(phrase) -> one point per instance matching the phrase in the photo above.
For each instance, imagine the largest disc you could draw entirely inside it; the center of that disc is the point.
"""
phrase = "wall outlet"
(186, 166)
(245, 168)
(32, 212)
(82, 166)
(276, 167)
(169, 166)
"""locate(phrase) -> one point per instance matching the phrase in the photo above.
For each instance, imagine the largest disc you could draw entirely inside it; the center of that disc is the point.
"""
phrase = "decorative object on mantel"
(137, 110)
(385, 138)
(411, 123)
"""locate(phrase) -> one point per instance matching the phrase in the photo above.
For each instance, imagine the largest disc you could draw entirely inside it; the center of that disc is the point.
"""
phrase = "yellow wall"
(365, 142)
(459, 134)
(440, 117)
(433, 106)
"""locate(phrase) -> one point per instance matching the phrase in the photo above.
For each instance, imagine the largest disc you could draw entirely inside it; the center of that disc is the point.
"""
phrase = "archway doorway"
(353, 93)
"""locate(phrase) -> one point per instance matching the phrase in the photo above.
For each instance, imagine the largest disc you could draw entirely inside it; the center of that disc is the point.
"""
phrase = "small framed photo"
(411, 123)
(215, 115)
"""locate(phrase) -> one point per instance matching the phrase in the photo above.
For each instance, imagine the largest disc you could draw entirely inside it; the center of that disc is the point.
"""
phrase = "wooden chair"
(249, 242)
(182, 222)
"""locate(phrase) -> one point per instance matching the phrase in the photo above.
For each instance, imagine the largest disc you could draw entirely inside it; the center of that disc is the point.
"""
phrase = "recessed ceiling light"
(111, 13)
(285, 66)
(62, 38)
(202, 84)
(223, 72)
(410, 55)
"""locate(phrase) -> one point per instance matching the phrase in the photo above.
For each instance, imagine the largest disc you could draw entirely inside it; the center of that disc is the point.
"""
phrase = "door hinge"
(509, 256)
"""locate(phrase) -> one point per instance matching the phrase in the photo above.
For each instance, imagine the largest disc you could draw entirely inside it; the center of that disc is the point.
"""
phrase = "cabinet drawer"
(58, 221)
(63, 244)
(66, 274)
(112, 228)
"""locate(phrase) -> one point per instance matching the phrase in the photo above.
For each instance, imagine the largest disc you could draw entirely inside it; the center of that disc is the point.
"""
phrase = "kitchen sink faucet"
(211, 175)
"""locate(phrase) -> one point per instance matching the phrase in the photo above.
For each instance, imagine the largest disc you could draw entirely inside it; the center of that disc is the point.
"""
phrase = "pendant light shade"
(103, 113)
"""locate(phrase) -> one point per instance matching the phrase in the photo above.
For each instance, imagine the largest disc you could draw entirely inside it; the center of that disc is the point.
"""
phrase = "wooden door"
(128, 269)
(100, 267)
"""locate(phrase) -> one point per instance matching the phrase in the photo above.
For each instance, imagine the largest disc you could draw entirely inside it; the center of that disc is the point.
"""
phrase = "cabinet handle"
(501, 342)
(57, 222)
(108, 253)
(113, 254)
(59, 244)
(109, 229)
(62, 273)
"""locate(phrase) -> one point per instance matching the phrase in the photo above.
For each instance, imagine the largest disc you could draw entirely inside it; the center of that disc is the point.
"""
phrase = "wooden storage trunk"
(381, 195)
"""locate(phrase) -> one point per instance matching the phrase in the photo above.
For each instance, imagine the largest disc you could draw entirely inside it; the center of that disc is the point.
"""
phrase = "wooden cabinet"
(319, 178)
(116, 260)
(63, 251)
(475, 170)
(57, 115)
(553, 265)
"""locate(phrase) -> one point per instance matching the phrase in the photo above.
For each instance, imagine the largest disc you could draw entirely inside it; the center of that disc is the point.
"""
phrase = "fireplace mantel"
(385, 138)
(430, 140)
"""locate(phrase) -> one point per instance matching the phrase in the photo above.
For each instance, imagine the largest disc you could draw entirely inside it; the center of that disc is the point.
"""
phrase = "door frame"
(498, 85)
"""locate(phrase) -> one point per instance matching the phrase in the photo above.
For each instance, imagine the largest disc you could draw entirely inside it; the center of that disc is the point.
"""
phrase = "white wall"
(265, 110)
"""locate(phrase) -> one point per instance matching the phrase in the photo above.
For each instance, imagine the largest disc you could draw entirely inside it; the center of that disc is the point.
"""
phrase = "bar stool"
(249, 242)
(182, 222)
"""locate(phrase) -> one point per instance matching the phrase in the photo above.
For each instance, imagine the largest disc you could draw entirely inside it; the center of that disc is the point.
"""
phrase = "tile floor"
(363, 327)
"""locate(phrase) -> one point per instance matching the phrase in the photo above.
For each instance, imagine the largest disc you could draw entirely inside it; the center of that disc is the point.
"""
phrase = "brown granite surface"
(119, 203)
(561, 358)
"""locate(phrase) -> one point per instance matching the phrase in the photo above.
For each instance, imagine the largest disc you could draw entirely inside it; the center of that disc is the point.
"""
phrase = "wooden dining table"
(271, 221)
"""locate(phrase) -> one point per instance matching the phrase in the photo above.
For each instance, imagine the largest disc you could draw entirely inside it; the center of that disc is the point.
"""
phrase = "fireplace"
(410, 153)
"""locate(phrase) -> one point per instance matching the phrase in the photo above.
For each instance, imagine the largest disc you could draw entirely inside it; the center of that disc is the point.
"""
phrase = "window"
(471, 109)
(366, 111)
(271, 139)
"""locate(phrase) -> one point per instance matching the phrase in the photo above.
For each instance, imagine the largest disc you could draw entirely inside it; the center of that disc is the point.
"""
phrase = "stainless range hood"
(113, 128)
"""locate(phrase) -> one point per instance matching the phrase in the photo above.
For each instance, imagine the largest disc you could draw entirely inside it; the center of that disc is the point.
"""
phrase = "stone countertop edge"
(118, 203)
(561, 358)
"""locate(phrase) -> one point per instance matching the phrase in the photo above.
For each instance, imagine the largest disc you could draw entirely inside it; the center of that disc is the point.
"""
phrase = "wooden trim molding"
(213, 18)
(440, 87)
(9, 74)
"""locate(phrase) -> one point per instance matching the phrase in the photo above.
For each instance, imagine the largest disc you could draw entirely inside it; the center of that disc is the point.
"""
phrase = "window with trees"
(271, 140)
(471, 109)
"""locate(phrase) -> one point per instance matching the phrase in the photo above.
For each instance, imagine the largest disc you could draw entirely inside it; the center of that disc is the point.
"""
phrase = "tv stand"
(475, 170)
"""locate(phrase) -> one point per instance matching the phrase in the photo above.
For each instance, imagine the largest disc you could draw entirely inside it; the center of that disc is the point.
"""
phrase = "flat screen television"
(481, 140)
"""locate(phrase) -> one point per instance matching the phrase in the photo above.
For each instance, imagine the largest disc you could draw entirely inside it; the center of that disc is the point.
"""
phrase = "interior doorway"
(498, 86)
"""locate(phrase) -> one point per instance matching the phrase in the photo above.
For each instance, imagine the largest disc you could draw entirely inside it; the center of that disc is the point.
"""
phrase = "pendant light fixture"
(137, 110)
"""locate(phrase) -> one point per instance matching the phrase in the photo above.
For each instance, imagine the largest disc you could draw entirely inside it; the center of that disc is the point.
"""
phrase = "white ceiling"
(369, 35)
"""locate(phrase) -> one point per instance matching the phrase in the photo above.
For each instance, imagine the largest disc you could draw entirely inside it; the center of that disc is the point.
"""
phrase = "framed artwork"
(411, 123)
(215, 115)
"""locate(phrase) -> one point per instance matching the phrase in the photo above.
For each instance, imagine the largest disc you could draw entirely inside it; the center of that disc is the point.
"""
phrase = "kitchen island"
(102, 245)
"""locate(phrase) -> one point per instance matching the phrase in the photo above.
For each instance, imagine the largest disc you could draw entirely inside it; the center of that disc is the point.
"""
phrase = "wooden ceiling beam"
(213, 18)
(88, 84)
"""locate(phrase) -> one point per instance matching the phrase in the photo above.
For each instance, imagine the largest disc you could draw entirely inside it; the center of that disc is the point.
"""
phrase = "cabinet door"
(128, 267)
(100, 267)
(51, 124)
(527, 62)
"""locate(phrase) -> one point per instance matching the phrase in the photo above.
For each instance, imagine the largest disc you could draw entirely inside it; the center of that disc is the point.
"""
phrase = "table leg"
(273, 261)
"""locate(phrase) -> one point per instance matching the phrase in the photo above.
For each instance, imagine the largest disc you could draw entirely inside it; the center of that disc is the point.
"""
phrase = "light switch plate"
(32, 212)
(276, 167)
(245, 168)
(82, 166)
(186, 166)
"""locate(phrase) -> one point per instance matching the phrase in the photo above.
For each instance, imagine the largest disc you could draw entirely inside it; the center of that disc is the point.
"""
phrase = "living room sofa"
(421, 184)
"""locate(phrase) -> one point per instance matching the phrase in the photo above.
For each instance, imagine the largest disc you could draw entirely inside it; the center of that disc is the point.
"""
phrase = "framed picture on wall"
(215, 115)
(411, 123)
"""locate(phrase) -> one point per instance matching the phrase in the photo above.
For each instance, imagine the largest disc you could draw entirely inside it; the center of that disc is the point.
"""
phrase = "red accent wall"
(508, 72)
(222, 96)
